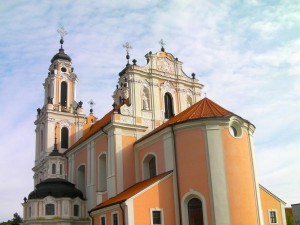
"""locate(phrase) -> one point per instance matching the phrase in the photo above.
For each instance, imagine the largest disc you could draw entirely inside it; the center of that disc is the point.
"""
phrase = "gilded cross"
(62, 32)
(127, 47)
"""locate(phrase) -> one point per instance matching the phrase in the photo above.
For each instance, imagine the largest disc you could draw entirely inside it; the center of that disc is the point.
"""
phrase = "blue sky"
(246, 53)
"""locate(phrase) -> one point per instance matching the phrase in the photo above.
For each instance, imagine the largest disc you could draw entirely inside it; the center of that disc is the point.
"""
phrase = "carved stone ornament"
(125, 93)
(126, 110)
(64, 123)
(146, 122)
(167, 87)
(189, 92)
(165, 65)
(127, 119)
(50, 119)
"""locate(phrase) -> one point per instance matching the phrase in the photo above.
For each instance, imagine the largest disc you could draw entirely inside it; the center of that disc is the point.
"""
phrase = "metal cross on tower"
(91, 103)
(62, 33)
(127, 47)
(162, 43)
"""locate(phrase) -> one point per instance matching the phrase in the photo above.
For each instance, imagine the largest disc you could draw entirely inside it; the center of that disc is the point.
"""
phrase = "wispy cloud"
(244, 53)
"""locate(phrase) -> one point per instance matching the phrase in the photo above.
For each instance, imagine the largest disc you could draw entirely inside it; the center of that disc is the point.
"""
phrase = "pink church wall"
(158, 149)
(240, 179)
(159, 196)
(100, 147)
(192, 165)
(128, 161)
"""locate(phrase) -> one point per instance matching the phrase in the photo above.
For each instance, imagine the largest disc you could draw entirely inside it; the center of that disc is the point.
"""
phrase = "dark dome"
(55, 187)
(61, 55)
(55, 152)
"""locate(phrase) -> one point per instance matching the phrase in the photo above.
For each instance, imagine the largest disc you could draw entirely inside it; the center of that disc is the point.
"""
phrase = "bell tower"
(60, 120)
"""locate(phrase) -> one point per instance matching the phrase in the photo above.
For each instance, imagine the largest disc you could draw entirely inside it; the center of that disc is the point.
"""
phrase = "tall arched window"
(168, 106)
(60, 169)
(53, 168)
(81, 179)
(149, 167)
(64, 137)
(102, 173)
(42, 140)
(63, 93)
(195, 212)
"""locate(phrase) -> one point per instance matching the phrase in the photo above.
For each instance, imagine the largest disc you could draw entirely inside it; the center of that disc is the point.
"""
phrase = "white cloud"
(224, 43)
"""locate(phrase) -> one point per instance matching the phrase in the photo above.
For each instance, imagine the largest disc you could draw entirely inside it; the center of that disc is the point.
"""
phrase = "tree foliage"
(16, 220)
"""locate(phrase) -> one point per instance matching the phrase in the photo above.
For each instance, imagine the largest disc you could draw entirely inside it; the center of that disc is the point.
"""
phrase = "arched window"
(152, 167)
(168, 106)
(102, 173)
(42, 140)
(195, 212)
(60, 169)
(64, 137)
(50, 209)
(149, 167)
(53, 168)
(63, 93)
(81, 179)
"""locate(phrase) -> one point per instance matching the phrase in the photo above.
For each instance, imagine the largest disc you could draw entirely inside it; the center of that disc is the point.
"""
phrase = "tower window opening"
(50, 210)
(168, 106)
(63, 93)
(53, 168)
(63, 69)
(64, 137)
(76, 210)
(60, 169)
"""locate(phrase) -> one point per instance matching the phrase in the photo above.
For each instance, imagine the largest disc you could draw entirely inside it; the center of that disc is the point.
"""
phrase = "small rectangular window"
(273, 216)
(115, 219)
(76, 210)
(50, 210)
(103, 220)
(156, 217)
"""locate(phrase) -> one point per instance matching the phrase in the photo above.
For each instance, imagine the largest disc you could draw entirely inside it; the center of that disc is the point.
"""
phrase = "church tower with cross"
(163, 154)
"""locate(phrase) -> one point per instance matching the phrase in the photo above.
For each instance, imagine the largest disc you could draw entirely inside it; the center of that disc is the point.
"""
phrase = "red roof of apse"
(123, 196)
(205, 108)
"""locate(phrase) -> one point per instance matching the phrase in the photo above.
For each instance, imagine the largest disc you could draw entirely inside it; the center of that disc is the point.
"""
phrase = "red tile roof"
(123, 196)
(205, 108)
(100, 124)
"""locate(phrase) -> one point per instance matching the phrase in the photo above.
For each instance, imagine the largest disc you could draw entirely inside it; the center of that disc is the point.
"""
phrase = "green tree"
(15, 221)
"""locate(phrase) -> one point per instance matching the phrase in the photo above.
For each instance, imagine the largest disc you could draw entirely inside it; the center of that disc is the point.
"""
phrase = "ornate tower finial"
(127, 47)
(62, 33)
(91, 103)
(162, 43)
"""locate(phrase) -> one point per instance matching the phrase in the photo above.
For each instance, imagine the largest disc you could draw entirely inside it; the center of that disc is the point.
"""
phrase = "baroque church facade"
(163, 155)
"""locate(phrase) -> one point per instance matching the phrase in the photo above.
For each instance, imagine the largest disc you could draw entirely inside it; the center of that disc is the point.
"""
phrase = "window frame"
(64, 137)
(47, 205)
(270, 211)
(78, 208)
(103, 217)
(112, 218)
(152, 210)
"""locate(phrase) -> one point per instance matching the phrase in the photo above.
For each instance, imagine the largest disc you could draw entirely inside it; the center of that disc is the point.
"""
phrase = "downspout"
(123, 214)
(91, 217)
(176, 174)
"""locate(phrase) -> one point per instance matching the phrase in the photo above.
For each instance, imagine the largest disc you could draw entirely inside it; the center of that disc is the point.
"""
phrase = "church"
(164, 155)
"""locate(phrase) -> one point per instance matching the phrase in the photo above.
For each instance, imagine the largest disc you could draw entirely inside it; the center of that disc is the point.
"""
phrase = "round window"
(235, 129)
(63, 69)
